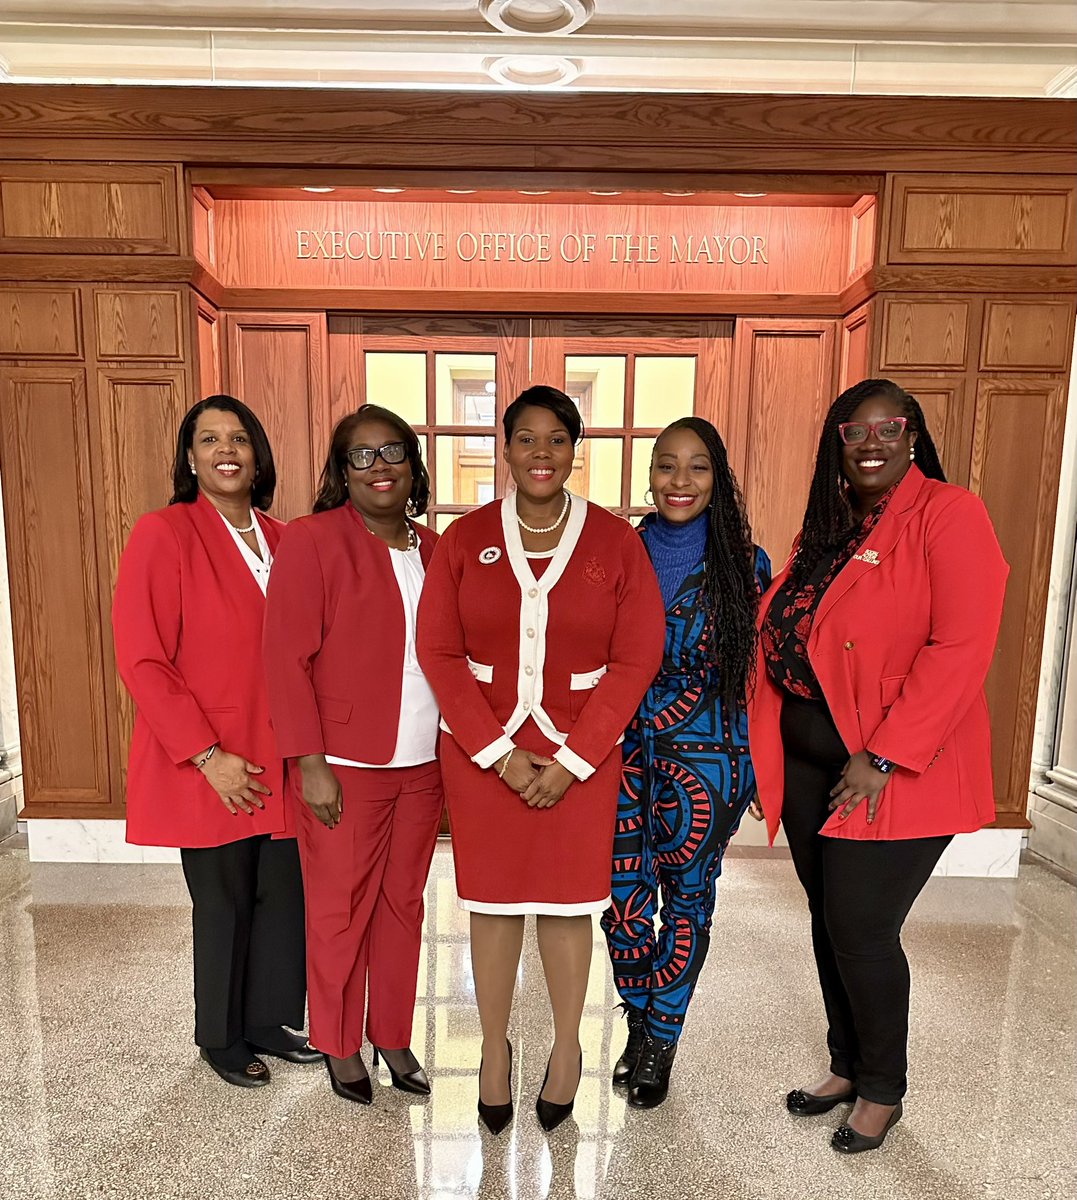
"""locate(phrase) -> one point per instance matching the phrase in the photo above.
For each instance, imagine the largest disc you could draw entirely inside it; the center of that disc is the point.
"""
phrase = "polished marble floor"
(102, 1093)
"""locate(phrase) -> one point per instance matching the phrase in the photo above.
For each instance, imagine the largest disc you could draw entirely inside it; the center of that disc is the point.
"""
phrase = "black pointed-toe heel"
(415, 1082)
(626, 1064)
(846, 1140)
(804, 1104)
(496, 1116)
(360, 1092)
(551, 1115)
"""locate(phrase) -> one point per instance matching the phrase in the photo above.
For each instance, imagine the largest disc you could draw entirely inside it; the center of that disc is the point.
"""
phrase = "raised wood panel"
(202, 238)
(1016, 454)
(140, 412)
(924, 332)
(277, 365)
(1023, 335)
(981, 219)
(783, 386)
(56, 612)
(89, 208)
(139, 324)
(949, 421)
(207, 325)
(855, 352)
(40, 322)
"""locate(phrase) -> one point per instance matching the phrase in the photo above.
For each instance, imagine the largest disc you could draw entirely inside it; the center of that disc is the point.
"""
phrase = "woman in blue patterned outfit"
(687, 777)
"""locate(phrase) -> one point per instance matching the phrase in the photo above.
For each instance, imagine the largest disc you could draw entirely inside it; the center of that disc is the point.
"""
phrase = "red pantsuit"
(339, 638)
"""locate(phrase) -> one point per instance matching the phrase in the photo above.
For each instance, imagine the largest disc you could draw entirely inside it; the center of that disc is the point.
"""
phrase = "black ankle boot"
(650, 1080)
(626, 1064)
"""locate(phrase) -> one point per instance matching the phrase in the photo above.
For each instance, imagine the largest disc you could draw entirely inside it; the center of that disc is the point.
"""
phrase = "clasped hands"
(859, 781)
(539, 781)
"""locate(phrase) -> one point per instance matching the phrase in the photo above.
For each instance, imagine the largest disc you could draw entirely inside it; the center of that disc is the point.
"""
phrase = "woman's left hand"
(548, 786)
(859, 781)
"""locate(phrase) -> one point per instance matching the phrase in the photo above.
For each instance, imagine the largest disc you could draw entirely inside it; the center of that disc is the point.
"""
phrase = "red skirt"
(511, 859)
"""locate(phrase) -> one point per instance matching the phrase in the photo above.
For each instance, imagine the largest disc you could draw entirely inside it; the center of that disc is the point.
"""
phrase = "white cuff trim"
(490, 754)
(538, 907)
(570, 760)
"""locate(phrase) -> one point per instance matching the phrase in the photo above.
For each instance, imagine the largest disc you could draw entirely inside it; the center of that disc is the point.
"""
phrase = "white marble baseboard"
(90, 842)
(990, 853)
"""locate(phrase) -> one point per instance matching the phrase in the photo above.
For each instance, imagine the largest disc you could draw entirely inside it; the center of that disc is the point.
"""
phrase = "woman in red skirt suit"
(540, 628)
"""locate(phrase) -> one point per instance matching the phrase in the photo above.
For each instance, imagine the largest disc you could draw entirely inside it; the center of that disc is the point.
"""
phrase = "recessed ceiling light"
(523, 193)
(388, 191)
(605, 193)
(310, 189)
(678, 193)
(749, 195)
(461, 191)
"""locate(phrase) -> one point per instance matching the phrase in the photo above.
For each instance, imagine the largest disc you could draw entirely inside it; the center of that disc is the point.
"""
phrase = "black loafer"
(254, 1075)
(846, 1140)
(804, 1104)
(296, 1048)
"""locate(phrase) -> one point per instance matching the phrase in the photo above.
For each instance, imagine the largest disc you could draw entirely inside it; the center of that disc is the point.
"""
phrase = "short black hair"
(541, 395)
(333, 491)
(184, 482)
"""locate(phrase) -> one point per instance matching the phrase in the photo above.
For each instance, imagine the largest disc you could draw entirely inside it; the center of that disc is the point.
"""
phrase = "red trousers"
(364, 884)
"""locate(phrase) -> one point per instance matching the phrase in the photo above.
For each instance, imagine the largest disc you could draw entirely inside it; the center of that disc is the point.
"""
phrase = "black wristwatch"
(880, 763)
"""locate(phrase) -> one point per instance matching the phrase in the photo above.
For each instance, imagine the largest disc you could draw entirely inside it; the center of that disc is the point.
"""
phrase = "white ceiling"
(961, 47)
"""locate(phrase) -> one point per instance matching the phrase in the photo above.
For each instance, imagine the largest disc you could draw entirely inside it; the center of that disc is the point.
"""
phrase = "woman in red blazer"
(204, 773)
(868, 725)
(352, 708)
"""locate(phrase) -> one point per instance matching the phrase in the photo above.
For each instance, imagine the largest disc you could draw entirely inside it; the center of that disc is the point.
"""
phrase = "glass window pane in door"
(398, 382)
(465, 470)
(597, 384)
(664, 390)
(464, 389)
(443, 520)
(641, 470)
(597, 471)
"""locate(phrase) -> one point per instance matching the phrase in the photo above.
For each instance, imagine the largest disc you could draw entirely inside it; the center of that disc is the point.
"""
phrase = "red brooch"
(594, 571)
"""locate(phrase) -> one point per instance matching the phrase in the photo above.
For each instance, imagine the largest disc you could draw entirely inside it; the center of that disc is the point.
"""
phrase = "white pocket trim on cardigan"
(585, 680)
(483, 672)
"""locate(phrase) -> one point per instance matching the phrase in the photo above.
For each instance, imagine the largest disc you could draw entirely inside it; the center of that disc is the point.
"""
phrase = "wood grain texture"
(980, 219)
(37, 321)
(276, 364)
(99, 268)
(202, 234)
(924, 332)
(783, 384)
(207, 326)
(89, 208)
(1026, 335)
(855, 348)
(144, 324)
(973, 278)
(1016, 454)
(949, 419)
(56, 611)
(140, 411)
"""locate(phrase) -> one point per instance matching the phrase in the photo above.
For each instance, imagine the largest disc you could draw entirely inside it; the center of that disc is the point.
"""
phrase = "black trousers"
(249, 944)
(859, 894)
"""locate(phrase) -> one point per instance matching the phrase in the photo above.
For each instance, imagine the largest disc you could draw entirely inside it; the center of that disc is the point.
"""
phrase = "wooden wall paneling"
(140, 410)
(277, 365)
(203, 237)
(144, 324)
(980, 219)
(783, 385)
(207, 342)
(1027, 335)
(714, 375)
(90, 208)
(347, 376)
(949, 417)
(863, 235)
(40, 321)
(1016, 456)
(855, 346)
(56, 612)
(924, 333)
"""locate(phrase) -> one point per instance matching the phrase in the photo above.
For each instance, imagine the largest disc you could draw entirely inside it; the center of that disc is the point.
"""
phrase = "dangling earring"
(648, 492)
(912, 453)
(194, 469)
(410, 508)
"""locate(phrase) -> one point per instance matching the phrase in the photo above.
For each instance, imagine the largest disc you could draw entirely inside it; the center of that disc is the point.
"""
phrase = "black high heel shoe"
(846, 1140)
(805, 1104)
(496, 1116)
(551, 1115)
(415, 1082)
(359, 1091)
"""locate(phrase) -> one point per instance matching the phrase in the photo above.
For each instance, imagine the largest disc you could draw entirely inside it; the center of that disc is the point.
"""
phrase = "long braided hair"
(829, 515)
(729, 591)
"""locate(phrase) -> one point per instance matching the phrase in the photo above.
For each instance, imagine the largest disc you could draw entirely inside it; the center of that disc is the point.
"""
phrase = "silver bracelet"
(206, 757)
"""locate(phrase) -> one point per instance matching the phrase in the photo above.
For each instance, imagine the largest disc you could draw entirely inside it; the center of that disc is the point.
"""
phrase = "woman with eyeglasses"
(354, 715)
(868, 723)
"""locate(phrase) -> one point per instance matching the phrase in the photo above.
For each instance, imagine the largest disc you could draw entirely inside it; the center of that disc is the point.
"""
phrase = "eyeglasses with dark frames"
(362, 458)
(852, 433)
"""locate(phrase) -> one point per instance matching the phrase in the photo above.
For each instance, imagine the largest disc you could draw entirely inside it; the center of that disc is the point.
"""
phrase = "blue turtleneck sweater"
(675, 550)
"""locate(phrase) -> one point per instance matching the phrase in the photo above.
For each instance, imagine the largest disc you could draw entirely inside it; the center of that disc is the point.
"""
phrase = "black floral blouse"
(789, 620)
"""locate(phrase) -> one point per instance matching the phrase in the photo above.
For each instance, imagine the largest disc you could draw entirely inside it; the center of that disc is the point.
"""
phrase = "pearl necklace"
(547, 528)
(250, 528)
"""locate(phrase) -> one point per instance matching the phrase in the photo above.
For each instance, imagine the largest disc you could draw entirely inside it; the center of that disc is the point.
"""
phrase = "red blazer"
(334, 638)
(187, 620)
(573, 651)
(901, 645)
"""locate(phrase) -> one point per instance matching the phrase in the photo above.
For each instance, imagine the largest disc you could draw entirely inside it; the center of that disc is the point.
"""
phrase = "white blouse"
(417, 731)
(259, 567)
